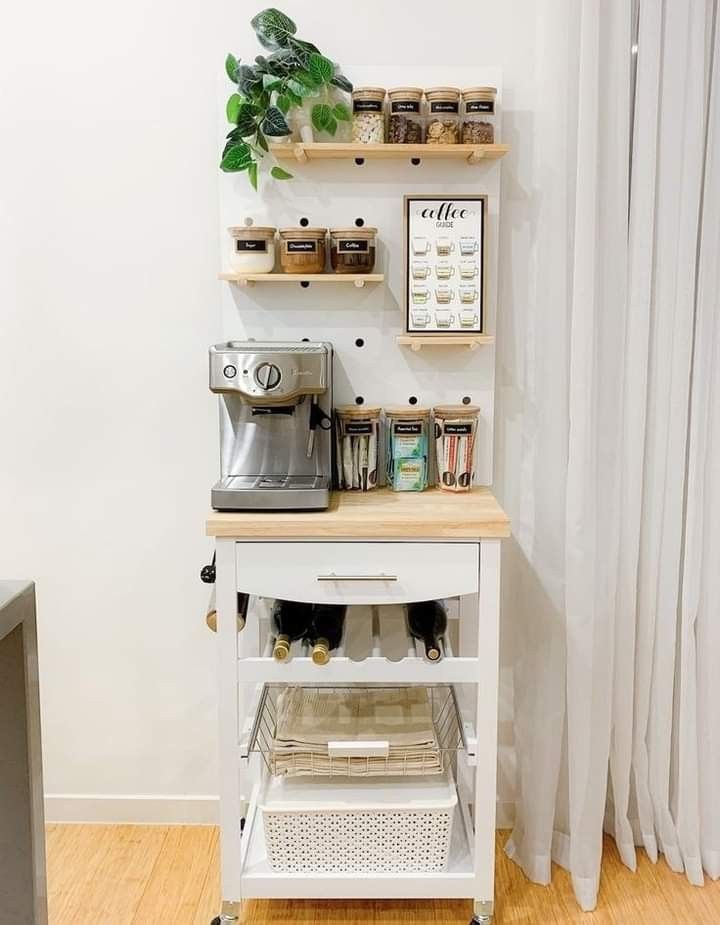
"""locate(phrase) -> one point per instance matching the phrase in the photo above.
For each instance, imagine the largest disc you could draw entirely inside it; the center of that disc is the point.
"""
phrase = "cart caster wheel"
(481, 920)
(216, 921)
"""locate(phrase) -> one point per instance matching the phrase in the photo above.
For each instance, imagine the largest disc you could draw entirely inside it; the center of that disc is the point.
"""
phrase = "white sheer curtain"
(614, 584)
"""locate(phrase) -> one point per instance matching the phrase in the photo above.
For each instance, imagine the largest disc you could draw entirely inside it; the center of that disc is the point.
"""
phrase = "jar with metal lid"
(407, 437)
(368, 115)
(443, 116)
(455, 431)
(253, 249)
(357, 435)
(478, 126)
(302, 250)
(352, 250)
(406, 123)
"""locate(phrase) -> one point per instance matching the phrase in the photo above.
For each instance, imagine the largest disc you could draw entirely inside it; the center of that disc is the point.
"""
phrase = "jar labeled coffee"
(478, 126)
(302, 250)
(253, 249)
(407, 439)
(443, 116)
(352, 250)
(455, 431)
(406, 122)
(357, 434)
(368, 115)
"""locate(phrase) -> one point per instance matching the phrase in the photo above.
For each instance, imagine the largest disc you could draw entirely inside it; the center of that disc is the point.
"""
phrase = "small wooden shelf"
(320, 151)
(249, 279)
(418, 341)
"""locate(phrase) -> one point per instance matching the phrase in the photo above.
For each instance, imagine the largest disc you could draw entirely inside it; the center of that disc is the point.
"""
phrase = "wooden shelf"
(249, 279)
(418, 341)
(319, 151)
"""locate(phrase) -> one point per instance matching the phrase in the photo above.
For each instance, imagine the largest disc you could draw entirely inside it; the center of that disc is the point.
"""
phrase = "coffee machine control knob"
(268, 376)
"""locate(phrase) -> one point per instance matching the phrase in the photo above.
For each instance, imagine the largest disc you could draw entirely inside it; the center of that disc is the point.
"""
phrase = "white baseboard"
(142, 810)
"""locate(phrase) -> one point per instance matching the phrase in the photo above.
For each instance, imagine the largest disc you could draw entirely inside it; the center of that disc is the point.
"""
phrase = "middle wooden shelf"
(249, 279)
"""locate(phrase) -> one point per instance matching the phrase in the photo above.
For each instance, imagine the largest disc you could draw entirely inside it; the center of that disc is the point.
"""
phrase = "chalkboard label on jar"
(353, 246)
(359, 427)
(458, 428)
(407, 428)
(480, 106)
(244, 245)
(444, 106)
(405, 106)
(367, 106)
(301, 247)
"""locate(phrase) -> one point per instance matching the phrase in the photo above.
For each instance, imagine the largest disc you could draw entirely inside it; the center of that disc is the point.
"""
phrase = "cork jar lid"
(358, 411)
(442, 93)
(251, 231)
(407, 412)
(286, 233)
(406, 93)
(456, 411)
(369, 93)
(364, 232)
(480, 93)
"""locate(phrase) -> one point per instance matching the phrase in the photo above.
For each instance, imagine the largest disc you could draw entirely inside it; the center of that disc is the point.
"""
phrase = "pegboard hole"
(415, 161)
(304, 222)
(304, 284)
(359, 161)
(359, 222)
(412, 400)
(359, 400)
(466, 400)
(306, 340)
(359, 342)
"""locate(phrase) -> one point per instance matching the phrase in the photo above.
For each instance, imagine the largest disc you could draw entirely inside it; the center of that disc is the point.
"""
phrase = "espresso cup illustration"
(420, 245)
(444, 269)
(468, 294)
(443, 293)
(444, 245)
(468, 318)
(420, 319)
(444, 317)
(468, 269)
(420, 295)
(420, 269)
(468, 246)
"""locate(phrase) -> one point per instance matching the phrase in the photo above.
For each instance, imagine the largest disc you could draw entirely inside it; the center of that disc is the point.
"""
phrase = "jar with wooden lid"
(302, 250)
(253, 249)
(406, 122)
(352, 250)
(368, 115)
(478, 126)
(407, 436)
(357, 434)
(443, 116)
(455, 431)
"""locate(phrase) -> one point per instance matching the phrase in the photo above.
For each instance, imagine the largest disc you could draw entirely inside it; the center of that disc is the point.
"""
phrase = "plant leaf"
(231, 67)
(331, 124)
(253, 174)
(321, 115)
(293, 97)
(299, 89)
(270, 82)
(261, 140)
(321, 68)
(342, 112)
(306, 78)
(274, 123)
(238, 157)
(279, 174)
(232, 109)
(283, 103)
(342, 82)
(248, 80)
(273, 27)
(246, 120)
(302, 50)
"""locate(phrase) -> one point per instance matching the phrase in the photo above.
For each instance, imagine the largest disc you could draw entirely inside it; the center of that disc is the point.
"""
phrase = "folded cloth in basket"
(307, 719)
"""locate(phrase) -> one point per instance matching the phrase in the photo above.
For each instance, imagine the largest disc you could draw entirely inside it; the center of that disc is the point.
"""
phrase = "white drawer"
(357, 573)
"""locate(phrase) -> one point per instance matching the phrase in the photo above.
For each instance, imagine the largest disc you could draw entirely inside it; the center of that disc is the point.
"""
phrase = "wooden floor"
(152, 875)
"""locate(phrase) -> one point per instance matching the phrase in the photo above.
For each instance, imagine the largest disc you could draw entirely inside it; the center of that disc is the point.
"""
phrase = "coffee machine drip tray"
(271, 493)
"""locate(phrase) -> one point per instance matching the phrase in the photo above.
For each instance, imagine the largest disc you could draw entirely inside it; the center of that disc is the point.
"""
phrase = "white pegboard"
(335, 193)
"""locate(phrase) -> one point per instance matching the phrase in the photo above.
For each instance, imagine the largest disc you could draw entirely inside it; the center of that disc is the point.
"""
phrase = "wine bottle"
(211, 615)
(291, 621)
(427, 621)
(326, 632)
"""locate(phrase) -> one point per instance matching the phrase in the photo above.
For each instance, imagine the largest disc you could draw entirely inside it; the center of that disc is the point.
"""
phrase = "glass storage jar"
(352, 250)
(302, 250)
(455, 431)
(368, 115)
(443, 116)
(478, 127)
(253, 249)
(406, 441)
(357, 434)
(406, 123)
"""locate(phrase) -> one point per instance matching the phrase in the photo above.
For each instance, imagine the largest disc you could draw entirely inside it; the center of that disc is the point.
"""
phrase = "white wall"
(108, 301)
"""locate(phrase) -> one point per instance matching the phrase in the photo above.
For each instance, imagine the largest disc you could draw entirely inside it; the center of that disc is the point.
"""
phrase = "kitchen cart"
(370, 549)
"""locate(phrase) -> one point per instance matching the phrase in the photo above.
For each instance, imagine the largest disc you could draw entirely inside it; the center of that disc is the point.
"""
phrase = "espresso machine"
(275, 425)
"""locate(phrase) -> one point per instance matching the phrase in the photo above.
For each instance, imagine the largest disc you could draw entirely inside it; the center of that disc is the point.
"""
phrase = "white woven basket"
(335, 826)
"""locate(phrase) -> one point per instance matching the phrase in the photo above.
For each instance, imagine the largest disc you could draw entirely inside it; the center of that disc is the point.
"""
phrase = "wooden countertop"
(382, 513)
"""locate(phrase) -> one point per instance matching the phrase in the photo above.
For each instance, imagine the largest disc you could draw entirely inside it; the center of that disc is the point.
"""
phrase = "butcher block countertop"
(381, 513)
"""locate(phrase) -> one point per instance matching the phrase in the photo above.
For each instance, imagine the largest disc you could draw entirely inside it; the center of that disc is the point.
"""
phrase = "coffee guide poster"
(444, 272)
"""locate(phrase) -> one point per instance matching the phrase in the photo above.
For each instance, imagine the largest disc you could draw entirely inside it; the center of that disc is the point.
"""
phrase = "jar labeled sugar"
(478, 127)
(302, 250)
(368, 122)
(443, 118)
(352, 250)
(253, 249)
(406, 123)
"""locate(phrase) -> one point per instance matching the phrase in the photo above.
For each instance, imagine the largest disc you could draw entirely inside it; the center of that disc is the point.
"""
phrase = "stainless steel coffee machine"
(275, 422)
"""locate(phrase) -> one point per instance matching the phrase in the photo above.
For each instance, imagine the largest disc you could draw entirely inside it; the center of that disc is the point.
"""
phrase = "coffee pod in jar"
(352, 250)
(302, 250)
(455, 431)
(253, 248)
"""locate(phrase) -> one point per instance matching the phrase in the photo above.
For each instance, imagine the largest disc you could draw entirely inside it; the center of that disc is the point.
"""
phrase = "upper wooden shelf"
(320, 151)
(249, 279)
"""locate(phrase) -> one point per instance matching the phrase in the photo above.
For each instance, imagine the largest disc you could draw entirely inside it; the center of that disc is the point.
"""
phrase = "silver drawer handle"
(357, 578)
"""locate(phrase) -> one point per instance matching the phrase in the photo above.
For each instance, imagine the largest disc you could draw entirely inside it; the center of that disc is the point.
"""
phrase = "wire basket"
(419, 738)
